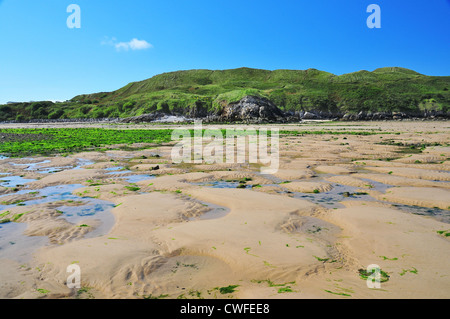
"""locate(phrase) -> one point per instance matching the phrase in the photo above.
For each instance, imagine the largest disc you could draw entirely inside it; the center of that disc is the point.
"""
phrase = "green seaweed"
(132, 188)
(247, 251)
(17, 216)
(84, 293)
(268, 264)
(338, 293)
(445, 233)
(386, 258)
(42, 291)
(4, 214)
(322, 259)
(227, 290)
(364, 274)
(413, 271)
(285, 290)
(179, 264)
(272, 284)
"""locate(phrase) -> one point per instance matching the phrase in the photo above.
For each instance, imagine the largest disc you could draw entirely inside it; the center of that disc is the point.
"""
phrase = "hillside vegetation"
(203, 92)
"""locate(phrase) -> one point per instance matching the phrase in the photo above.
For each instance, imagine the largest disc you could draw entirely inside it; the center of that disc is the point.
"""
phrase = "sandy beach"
(140, 226)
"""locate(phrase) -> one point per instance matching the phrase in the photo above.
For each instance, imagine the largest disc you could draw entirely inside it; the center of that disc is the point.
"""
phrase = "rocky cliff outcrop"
(144, 118)
(255, 109)
(252, 109)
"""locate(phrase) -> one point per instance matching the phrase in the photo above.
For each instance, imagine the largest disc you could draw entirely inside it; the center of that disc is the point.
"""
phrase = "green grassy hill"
(201, 92)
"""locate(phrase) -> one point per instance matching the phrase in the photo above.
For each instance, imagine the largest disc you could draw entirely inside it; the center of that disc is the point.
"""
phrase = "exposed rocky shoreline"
(253, 109)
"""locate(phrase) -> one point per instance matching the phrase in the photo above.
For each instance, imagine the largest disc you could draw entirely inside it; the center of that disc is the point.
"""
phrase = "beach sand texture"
(337, 204)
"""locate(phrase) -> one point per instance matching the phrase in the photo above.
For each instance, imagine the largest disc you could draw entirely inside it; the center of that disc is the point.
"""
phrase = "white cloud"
(122, 46)
(134, 44)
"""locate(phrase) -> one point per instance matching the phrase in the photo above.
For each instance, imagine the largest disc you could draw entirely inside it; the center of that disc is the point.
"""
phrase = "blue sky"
(123, 41)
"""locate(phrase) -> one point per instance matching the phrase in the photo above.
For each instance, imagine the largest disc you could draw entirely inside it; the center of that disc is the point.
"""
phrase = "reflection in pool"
(15, 245)
(14, 181)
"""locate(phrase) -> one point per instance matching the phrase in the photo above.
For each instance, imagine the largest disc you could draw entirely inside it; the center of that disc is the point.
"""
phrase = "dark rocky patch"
(11, 137)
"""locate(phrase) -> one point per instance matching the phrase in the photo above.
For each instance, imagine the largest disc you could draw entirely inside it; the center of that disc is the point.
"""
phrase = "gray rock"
(144, 118)
(252, 109)
(309, 116)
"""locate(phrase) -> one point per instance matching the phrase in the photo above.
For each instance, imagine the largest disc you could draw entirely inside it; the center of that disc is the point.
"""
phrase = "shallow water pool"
(15, 245)
(14, 181)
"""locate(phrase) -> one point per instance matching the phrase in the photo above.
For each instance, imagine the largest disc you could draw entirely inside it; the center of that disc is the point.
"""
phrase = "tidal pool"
(220, 184)
(14, 181)
(137, 178)
(332, 198)
(91, 207)
(15, 245)
(441, 215)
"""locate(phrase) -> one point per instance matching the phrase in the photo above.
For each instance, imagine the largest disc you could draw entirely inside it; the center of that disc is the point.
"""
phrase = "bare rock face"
(144, 118)
(310, 116)
(252, 109)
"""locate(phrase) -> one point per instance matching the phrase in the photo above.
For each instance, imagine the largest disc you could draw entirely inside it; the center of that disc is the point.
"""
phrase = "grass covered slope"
(202, 92)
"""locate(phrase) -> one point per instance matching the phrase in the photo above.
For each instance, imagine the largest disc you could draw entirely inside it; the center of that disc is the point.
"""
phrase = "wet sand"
(337, 204)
